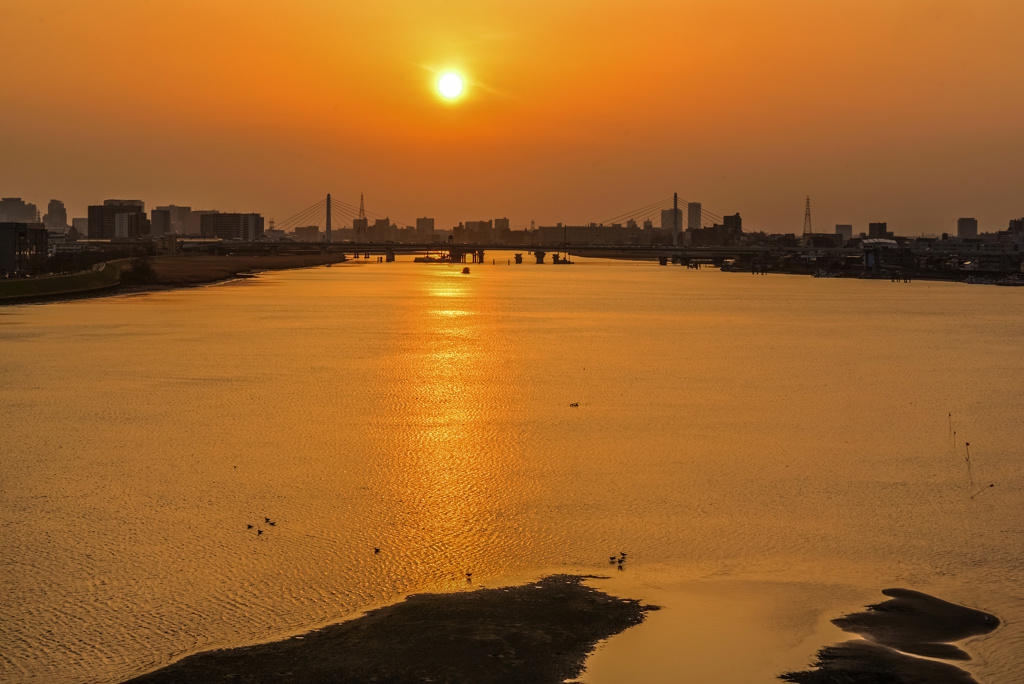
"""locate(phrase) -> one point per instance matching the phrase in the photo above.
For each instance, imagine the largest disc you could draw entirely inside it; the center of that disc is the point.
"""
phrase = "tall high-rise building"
(693, 213)
(56, 216)
(844, 231)
(967, 228)
(104, 225)
(231, 226)
(15, 210)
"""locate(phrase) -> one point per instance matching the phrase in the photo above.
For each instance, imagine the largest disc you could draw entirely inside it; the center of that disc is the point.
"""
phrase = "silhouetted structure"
(844, 231)
(672, 221)
(160, 222)
(967, 228)
(118, 219)
(307, 233)
(878, 230)
(231, 226)
(23, 247)
(693, 216)
(56, 216)
(15, 210)
(425, 229)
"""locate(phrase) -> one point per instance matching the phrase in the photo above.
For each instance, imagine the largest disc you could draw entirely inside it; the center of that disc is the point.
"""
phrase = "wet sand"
(909, 624)
(540, 632)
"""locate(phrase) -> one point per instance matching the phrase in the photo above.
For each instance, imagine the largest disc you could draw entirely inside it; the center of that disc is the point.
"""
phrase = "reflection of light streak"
(448, 472)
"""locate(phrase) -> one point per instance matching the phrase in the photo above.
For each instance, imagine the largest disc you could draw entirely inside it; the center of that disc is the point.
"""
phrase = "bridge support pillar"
(540, 256)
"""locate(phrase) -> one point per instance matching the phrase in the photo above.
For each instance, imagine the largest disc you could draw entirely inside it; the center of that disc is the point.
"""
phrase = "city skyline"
(899, 112)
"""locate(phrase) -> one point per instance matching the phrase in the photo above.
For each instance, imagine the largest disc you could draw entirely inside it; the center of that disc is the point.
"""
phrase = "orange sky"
(906, 111)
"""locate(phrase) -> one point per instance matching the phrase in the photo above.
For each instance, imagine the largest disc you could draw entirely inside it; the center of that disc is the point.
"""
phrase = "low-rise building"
(23, 247)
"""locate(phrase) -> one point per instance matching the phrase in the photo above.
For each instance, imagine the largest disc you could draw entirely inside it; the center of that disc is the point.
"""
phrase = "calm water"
(770, 451)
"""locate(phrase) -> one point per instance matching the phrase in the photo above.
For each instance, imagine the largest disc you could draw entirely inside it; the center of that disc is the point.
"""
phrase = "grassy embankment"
(55, 286)
(163, 271)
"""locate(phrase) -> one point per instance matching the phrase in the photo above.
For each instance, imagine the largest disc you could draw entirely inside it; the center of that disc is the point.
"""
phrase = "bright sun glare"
(450, 85)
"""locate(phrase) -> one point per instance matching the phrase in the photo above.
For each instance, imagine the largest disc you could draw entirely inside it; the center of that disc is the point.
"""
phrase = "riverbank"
(160, 272)
(540, 632)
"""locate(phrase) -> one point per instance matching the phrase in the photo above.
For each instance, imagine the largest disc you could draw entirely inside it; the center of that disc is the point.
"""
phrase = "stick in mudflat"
(969, 473)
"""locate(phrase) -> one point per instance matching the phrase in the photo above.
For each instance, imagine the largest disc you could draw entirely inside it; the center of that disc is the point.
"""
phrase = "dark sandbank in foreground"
(540, 632)
(895, 631)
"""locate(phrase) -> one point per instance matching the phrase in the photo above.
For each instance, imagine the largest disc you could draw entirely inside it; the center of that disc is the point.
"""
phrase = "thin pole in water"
(969, 474)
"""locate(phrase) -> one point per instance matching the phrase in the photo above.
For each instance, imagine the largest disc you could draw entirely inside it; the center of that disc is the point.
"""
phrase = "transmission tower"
(362, 213)
(807, 220)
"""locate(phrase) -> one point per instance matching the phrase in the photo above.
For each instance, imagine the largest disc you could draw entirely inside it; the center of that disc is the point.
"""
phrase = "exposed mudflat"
(539, 632)
(909, 624)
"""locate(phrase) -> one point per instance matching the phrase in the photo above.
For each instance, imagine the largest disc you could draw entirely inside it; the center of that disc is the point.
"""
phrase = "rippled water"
(782, 433)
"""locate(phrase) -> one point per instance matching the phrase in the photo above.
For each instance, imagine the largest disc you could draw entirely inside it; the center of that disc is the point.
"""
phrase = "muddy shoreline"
(540, 632)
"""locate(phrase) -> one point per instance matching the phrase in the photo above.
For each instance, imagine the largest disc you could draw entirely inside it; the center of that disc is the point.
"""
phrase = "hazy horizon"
(904, 112)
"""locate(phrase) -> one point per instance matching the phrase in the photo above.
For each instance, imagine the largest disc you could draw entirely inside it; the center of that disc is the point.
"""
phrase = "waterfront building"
(103, 220)
(231, 226)
(23, 246)
(966, 228)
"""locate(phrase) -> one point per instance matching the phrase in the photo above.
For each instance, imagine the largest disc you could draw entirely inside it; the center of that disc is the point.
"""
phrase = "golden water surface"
(770, 451)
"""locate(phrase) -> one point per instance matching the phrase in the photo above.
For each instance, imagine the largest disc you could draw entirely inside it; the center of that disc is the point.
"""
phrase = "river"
(770, 451)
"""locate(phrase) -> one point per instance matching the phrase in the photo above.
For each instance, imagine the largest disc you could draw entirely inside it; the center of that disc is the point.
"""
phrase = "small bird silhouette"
(266, 519)
(248, 527)
(258, 532)
(376, 550)
(272, 523)
(575, 404)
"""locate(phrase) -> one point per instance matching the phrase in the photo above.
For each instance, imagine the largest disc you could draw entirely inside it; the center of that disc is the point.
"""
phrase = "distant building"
(844, 231)
(56, 216)
(181, 220)
(966, 228)
(360, 229)
(733, 225)
(105, 225)
(693, 214)
(23, 246)
(231, 226)
(307, 233)
(878, 230)
(14, 210)
(381, 230)
(160, 222)
(672, 221)
(81, 225)
(425, 229)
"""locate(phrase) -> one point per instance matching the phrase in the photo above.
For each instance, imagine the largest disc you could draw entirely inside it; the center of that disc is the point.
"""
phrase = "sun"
(450, 85)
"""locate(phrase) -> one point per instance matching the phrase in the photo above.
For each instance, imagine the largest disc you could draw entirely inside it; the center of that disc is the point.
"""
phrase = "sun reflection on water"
(449, 471)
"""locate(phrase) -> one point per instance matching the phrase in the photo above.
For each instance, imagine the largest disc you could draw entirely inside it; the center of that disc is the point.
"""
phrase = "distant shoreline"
(165, 273)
